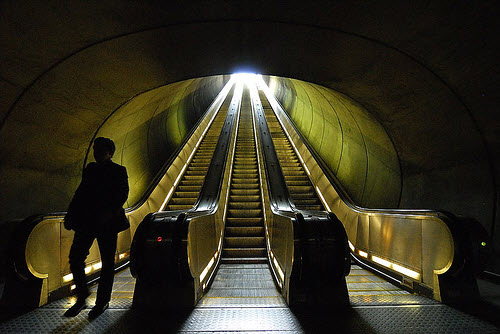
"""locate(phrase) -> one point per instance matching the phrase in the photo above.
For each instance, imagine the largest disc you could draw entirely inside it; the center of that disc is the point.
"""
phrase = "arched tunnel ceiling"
(432, 60)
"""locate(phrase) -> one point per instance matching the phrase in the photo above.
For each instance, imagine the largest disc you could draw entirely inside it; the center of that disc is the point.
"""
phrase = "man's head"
(104, 148)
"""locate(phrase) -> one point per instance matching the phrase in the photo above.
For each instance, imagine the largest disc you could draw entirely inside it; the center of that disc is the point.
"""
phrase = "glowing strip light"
(381, 261)
(207, 268)
(73, 287)
(178, 178)
(280, 271)
(351, 246)
(363, 254)
(122, 255)
(88, 269)
(202, 136)
(323, 199)
(97, 266)
(400, 269)
(406, 271)
(68, 278)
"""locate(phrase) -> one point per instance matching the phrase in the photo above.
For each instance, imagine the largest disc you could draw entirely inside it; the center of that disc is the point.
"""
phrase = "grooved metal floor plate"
(242, 302)
(366, 288)
(251, 283)
(371, 313)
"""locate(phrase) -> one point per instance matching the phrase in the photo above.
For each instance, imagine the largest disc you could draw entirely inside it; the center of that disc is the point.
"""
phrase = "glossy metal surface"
(417, 240)
(48, 244)
(244, 300)
(206, 233)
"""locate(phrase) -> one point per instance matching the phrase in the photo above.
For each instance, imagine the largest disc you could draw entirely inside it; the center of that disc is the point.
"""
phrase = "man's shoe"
(97, 310)
(75, 309)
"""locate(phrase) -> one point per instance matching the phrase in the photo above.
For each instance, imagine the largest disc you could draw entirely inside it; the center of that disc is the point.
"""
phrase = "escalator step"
(246, 231)
(193, 188)
(245, 222)
(249, 198)
(244, 252)
(247, 260)
(244, 242)
(296, 177)
(183, 200)
(303, 195)
(288, 172)
(186, 194)
(193, 177)
(247, 213)
(245, 180)
(191, 182)
(298, 183)
(244, 192)
(300, 189)
(244, 186)
(244, 205)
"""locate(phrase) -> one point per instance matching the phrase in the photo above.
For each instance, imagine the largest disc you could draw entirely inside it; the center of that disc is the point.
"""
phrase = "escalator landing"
(243, 299)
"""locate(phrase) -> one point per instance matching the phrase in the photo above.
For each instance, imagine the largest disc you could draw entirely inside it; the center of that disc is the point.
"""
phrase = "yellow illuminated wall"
(150, 128)
(350, 141)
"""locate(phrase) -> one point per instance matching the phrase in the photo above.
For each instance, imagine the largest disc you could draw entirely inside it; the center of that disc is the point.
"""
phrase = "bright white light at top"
(245, 78)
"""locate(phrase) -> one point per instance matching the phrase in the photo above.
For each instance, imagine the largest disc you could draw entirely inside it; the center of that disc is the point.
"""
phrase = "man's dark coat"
(98, 201)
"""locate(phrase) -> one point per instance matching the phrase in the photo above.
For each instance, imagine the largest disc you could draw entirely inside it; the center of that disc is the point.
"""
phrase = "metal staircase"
(299, 186)
(188, 190)
(244, 240)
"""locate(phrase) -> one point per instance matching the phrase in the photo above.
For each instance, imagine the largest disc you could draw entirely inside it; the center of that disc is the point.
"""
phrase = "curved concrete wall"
(426, 71)
(442, 161)
(44, 145)
(350, 141)
(148, 129)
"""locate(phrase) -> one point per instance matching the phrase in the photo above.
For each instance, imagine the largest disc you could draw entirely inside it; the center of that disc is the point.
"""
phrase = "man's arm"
(121, 188)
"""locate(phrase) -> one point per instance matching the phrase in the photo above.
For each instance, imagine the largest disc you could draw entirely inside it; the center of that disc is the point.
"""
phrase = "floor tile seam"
(244, 279)
(241, 288)
(385, 296)
(241, 307)
(244, 271)
(371, 289)
(89, 307)
(396, 306)
(244, 297)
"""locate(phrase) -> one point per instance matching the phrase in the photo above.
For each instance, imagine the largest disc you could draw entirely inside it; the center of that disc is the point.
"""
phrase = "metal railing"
(430, 252)
(308, 249)
(175, 253)
(38, 269)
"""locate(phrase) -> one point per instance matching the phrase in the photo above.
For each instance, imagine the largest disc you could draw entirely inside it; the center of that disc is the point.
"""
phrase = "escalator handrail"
(169, 162)
(28, 224)
(455, 224)
(211, 188)
(344, 196)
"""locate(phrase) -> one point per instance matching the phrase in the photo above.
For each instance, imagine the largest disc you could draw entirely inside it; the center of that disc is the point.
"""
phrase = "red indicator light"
(159, 239)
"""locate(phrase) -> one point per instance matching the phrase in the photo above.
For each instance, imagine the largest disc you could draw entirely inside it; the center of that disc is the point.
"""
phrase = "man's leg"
(77, 255)
(107, 248)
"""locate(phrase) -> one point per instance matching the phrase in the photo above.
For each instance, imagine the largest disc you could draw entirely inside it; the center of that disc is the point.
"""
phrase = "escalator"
(251, 250)
(299, 185)
(186, 193)
(243, 278)
(244, 239)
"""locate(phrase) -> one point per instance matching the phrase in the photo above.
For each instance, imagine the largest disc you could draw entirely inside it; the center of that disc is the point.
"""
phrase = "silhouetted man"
(96, 211)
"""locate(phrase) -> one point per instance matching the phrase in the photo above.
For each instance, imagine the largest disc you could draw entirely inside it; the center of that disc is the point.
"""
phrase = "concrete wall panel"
(352, 143)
